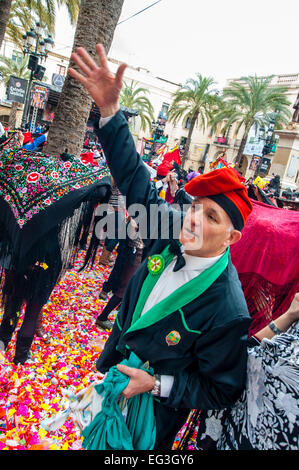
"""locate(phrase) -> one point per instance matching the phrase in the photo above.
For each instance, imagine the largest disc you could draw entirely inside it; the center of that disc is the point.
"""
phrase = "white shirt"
(2, 131)
(104, 121)
(169, 282)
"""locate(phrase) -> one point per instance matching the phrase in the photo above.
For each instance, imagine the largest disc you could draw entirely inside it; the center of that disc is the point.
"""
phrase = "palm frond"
(133, 96)
(24, 14)
(249, 101)
(195, 98)
(9, 67)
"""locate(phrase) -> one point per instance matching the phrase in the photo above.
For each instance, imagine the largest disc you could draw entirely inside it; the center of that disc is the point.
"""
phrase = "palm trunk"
(4, 15)
(241, 149)
(96, 24)
(187, 146)
(13, 115)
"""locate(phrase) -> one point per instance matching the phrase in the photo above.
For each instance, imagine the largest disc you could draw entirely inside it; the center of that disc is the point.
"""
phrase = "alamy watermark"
(155, 221)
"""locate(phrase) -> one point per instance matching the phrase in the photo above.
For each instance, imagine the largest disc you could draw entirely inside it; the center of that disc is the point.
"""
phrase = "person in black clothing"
(32, 284)
(274, 185)
(130, 252)
(183, 312)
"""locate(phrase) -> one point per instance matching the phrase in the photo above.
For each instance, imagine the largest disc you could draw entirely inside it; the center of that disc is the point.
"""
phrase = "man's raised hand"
(103, 86)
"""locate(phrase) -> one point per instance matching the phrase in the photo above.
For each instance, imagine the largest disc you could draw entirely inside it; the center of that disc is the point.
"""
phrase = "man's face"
(207, 229)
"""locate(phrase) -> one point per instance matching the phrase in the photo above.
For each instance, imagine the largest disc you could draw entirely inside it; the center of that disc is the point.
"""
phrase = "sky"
(175, 39)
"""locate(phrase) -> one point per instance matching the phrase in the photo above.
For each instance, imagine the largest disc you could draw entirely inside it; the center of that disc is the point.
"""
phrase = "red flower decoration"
(48, 201)
(54, 174)
(33, 177)
(19, 167)
(67, 164)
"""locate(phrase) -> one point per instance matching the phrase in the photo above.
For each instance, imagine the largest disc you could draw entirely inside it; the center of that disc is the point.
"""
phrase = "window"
(165, 108)
(187, 123)
(17, 56)
(61, 70)
(292, 170)
(164, 111)
(4, 118)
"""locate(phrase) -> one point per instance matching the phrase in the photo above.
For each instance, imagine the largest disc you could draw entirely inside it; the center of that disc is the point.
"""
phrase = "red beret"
(224, 186)
(164, 168)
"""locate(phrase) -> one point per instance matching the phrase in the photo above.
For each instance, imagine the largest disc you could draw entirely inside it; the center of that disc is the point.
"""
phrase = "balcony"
(288, 80)
(225, 142)
(291, 79)
(221, 141)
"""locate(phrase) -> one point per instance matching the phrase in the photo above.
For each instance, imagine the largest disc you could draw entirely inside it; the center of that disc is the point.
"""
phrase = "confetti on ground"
(33, 392)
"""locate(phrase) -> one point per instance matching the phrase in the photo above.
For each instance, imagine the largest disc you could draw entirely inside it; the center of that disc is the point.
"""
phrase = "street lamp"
(49, 43)
(269, 136)
(29, 39)
(37, 48)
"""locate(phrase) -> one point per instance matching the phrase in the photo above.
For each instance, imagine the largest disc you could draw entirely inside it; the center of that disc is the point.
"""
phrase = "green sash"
(108, 430)
(177, 299)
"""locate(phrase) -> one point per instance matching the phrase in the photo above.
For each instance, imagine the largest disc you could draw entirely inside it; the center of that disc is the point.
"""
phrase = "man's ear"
(234, 237)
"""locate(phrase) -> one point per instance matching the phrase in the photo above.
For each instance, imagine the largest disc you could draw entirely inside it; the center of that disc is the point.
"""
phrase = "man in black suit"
(184, 310)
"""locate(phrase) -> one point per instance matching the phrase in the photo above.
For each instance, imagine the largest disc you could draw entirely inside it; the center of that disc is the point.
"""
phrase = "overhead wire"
(123, 21)
(138, 12)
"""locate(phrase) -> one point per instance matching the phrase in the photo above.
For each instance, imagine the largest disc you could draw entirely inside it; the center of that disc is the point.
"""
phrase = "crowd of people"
(184, 308)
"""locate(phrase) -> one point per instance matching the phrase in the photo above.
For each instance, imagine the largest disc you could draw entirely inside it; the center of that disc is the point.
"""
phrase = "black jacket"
(209, 362)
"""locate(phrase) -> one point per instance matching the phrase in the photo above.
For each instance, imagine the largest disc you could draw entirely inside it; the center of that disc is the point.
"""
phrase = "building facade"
(160, 93)
(205, 146)
(284, 162)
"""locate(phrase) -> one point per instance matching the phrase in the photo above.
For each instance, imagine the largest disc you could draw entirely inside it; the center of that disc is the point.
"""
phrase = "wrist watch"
(274, 328)
(156, 391)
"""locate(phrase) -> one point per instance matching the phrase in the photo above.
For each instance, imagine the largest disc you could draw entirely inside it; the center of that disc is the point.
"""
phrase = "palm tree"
(248, 103)
(5, 9)
(134, 98)
(97, 21)
(222, 117)
(18, 16)
(17, 69)
(22, 15)
(196, 101)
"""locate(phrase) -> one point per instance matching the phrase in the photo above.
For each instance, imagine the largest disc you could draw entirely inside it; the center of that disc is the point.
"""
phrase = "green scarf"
(109, 430)
(177, 299)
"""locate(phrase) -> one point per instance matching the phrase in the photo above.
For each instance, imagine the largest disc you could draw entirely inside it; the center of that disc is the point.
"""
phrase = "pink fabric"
(267, 261)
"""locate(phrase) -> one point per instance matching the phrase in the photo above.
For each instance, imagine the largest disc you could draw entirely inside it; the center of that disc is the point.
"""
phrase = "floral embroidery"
(32, 181)
(266, 417)
(33, 177)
